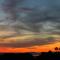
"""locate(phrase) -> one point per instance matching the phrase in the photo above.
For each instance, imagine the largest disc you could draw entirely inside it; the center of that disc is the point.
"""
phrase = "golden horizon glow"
(36, 48)
(43, 48)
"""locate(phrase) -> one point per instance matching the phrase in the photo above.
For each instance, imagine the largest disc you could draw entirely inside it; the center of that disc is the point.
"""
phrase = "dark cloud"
(40, 18)
(32, 19)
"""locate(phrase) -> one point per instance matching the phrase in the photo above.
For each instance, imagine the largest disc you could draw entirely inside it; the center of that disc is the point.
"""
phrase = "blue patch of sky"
(34, 4)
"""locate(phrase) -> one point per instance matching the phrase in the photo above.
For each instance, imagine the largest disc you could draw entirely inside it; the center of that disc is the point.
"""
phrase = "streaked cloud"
(29, 16)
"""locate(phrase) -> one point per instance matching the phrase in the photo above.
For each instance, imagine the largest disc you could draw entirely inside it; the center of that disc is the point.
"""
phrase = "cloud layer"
(33, 16)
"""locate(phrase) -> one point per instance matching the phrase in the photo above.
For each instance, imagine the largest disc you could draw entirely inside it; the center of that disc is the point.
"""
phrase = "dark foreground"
(31, 56)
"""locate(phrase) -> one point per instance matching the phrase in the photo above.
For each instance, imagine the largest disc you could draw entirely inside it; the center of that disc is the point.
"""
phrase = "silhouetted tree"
(49, 51)
(56, 48)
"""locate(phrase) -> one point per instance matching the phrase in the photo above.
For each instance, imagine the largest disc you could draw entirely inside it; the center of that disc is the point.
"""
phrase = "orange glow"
(44, 48)
(37, 48)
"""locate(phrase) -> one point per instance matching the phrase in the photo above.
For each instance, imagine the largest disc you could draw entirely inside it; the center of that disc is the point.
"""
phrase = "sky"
(28, 17)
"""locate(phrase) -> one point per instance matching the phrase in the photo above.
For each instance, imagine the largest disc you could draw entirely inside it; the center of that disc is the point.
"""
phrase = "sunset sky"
(26, 25)
(44, 48)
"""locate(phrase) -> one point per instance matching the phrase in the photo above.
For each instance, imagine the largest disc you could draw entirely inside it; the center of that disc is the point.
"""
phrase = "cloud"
(39, 18)
(29, 43)
(31, 20)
